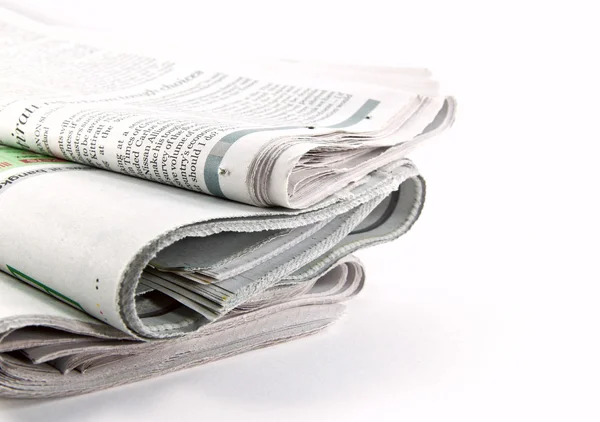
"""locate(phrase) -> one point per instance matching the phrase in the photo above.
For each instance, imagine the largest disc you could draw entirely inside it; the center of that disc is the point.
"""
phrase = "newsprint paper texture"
(157, 215)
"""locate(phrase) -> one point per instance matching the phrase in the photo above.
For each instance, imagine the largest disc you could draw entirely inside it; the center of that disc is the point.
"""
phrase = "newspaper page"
(259, 135)
(124, 278)
(86, 237)
(45, 347)
(103, 250)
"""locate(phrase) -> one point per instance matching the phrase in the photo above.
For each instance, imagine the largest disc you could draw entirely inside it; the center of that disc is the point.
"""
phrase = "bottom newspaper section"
(44, 355)
(122, 279)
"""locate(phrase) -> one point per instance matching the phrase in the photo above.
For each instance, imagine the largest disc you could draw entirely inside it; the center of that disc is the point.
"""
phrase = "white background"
(489, 308)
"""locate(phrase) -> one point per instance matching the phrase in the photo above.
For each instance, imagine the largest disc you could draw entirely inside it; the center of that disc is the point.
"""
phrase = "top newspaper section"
(275, 134)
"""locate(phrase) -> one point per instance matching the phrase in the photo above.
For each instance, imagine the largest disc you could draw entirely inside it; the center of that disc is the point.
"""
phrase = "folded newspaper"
(157, 215)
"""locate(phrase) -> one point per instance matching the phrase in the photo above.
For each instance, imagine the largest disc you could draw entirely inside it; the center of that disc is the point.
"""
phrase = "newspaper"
(123, 278)
(277, 135)
(46, 362)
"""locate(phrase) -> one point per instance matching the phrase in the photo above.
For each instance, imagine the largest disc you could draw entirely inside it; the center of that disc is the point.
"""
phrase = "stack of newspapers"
(157, 215)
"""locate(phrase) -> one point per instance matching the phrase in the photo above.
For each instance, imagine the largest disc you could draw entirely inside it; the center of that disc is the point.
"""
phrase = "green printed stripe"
(11, 158)
(24, 277)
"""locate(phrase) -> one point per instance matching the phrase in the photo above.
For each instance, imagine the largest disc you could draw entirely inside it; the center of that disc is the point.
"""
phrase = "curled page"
(124, 279)
(157, 262)
(116, 268)
(271, 134)
(50, 350)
